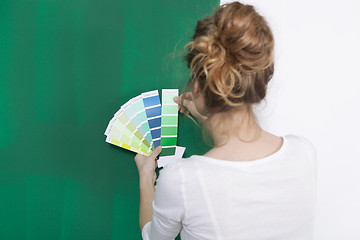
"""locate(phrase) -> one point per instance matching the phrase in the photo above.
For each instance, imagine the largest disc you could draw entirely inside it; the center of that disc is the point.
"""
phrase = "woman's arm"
(162, 206)
(146, 197)
(147, 176)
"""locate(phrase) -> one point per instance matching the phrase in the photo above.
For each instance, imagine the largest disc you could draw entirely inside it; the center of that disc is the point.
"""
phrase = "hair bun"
(245, 35)
(231, 57)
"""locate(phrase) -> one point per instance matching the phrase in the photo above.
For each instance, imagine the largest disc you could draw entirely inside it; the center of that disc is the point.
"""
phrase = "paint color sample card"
(119, 136)
(169, 122)
(129, 129)
(152, 106)
(123, 133)
(124, 119)
(135, 110)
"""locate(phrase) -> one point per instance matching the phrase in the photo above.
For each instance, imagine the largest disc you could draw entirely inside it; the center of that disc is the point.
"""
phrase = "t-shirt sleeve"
(168, 206)
(312, 153)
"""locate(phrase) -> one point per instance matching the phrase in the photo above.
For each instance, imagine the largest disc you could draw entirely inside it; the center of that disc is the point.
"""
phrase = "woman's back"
(269, 198)
(252, 185)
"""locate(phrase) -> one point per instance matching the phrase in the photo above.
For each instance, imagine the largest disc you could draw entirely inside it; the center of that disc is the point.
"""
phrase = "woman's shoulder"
(176, 168)
(174, 175)
(176, 164)
(301, 143)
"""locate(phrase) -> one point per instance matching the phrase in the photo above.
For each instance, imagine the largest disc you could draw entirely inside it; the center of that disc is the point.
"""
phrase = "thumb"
(156, 152)
(176, 99)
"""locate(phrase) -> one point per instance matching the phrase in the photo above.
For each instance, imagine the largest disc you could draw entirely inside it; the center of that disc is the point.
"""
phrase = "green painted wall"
(66, 66)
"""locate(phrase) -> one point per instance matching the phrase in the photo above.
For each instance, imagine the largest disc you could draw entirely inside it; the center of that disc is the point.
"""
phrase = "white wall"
(315, 92)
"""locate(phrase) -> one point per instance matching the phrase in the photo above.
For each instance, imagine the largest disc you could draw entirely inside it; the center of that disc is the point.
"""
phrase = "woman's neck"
(233, 127)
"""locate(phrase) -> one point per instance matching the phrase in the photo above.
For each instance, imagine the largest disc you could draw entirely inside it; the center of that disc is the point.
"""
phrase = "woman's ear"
(196, 89)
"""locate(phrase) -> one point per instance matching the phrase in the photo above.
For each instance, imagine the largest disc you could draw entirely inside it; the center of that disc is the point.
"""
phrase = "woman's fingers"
(184, 101)
(179, 102)
(155, 153)
(188, 96)
(186, 105)
(176, 99)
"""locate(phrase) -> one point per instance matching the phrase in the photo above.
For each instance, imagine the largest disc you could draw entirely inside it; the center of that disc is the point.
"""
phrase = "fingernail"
(175, 98)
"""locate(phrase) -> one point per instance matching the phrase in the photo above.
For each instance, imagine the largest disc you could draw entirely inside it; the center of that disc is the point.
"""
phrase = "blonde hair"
(231, 56)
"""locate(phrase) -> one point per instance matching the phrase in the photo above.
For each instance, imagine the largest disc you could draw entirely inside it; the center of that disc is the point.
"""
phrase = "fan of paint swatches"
(143, 123)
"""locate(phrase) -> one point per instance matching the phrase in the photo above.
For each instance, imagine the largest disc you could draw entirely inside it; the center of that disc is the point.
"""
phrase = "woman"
(252, 184)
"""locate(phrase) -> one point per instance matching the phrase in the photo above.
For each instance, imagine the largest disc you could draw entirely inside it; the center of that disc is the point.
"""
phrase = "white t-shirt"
(272, 198)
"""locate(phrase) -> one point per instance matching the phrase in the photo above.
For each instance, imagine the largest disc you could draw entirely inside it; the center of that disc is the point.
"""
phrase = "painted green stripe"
(166, 109)
(167, 151)
(169, 120)
(168, 141)
(168, 131)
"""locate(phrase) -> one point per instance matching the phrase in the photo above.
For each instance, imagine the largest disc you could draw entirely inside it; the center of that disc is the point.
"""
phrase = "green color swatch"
(168, 141)
(166, 131)
(169, 120)
(168, 151)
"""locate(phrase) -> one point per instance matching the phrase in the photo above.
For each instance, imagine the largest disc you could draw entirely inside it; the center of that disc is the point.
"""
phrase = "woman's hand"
(146, 165)
(186, 105)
